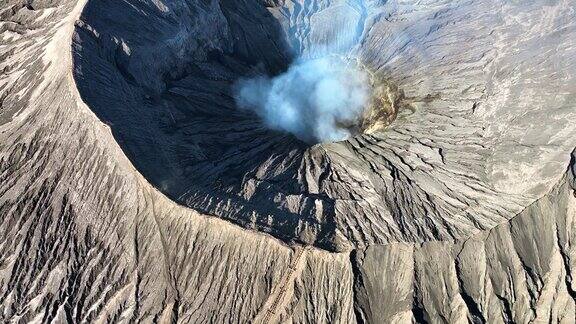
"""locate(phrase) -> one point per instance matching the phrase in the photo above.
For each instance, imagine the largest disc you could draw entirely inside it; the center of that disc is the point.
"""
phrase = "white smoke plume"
(317, 100)
(320, 97)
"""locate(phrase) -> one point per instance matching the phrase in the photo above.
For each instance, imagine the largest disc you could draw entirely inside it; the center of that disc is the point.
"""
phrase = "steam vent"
(287, 161)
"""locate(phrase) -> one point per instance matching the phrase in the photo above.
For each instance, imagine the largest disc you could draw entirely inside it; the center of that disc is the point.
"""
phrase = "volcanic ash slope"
(132, 190)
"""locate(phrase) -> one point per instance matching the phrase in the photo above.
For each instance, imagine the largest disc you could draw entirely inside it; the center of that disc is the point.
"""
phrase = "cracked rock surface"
(132, 189)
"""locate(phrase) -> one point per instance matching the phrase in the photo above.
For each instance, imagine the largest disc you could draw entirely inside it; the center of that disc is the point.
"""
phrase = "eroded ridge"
(85, 238)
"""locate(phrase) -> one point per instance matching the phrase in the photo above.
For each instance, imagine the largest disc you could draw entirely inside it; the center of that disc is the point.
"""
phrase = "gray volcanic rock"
(132, 189)
(455, 166)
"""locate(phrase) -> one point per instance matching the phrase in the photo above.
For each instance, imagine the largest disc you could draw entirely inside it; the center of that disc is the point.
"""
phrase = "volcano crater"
(424, 161)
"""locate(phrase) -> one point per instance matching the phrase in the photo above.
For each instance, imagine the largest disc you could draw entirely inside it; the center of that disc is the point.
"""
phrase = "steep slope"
(491, 106)
(461, 211)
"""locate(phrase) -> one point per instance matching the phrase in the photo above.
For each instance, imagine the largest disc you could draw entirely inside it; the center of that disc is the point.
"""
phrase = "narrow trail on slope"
(279, 295)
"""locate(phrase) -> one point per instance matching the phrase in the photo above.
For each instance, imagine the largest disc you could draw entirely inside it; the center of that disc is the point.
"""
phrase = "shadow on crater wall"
(161, 78)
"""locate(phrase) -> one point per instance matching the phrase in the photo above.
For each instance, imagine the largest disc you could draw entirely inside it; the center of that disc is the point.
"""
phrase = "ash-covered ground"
(425, 172)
